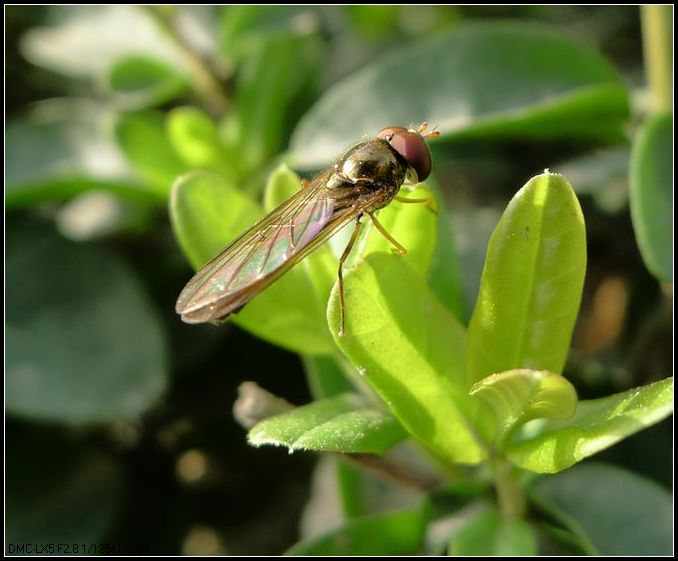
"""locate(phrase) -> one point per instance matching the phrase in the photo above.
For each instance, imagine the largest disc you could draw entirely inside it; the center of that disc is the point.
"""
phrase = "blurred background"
(118, 417)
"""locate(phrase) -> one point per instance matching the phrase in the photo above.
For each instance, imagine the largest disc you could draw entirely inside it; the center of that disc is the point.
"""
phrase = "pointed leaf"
(517, 396)
(410, 350)
(598, 424)
(532, 282)
(207, 213)
(340, 424)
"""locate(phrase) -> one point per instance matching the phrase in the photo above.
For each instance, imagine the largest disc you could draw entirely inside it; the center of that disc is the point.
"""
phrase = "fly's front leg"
(344, 256)
(428, 201)
(397, 247)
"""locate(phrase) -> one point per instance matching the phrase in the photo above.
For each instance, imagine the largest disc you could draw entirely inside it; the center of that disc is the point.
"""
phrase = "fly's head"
(396, 154)
(410, 145)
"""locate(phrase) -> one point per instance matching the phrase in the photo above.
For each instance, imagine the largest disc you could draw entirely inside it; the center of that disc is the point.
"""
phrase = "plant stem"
(204, 81)
(657, 38)
(509, 490)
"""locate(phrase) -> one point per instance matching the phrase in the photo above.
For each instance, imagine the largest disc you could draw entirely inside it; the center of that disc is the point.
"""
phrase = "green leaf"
(399, 533)
(518, 396)
(489, 534)
(486, 79)
(144, 140)
(71, 312)
(142, 81)
(196, 138)
(340, 424)
(411, 351)
(273, 90)
(207, 212)
(413, 225)
(549, 447)
(621, 513)
(75, 501)
(532, 282)
(652, 194)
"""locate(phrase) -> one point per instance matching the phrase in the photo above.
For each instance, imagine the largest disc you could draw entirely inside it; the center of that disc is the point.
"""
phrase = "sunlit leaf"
(517, 396)
(532, 282)
(341, 424)
(411, 351)
(548, 447)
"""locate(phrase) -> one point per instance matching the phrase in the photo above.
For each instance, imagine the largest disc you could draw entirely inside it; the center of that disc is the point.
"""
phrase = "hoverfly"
(362, 181)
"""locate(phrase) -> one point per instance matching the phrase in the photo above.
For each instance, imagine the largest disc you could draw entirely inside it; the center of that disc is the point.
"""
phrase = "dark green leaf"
(488, 79)
(73, 501)
(83, 342)
(390, 534)
(141, 81)
(532, 282)
(489, 534)
(621, 513)
(410, 350)
(652, 194)
(598, 424)
(340, 424)
(207, 212)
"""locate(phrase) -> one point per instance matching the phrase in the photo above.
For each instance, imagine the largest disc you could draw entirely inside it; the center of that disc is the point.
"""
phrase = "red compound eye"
(411, 146)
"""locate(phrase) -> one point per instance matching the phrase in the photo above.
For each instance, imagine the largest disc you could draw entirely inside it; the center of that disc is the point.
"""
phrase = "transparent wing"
(268, 249)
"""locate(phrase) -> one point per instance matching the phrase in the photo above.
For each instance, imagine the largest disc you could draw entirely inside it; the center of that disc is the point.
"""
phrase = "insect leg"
(399, 249)
(428, 201)
(344, 256)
